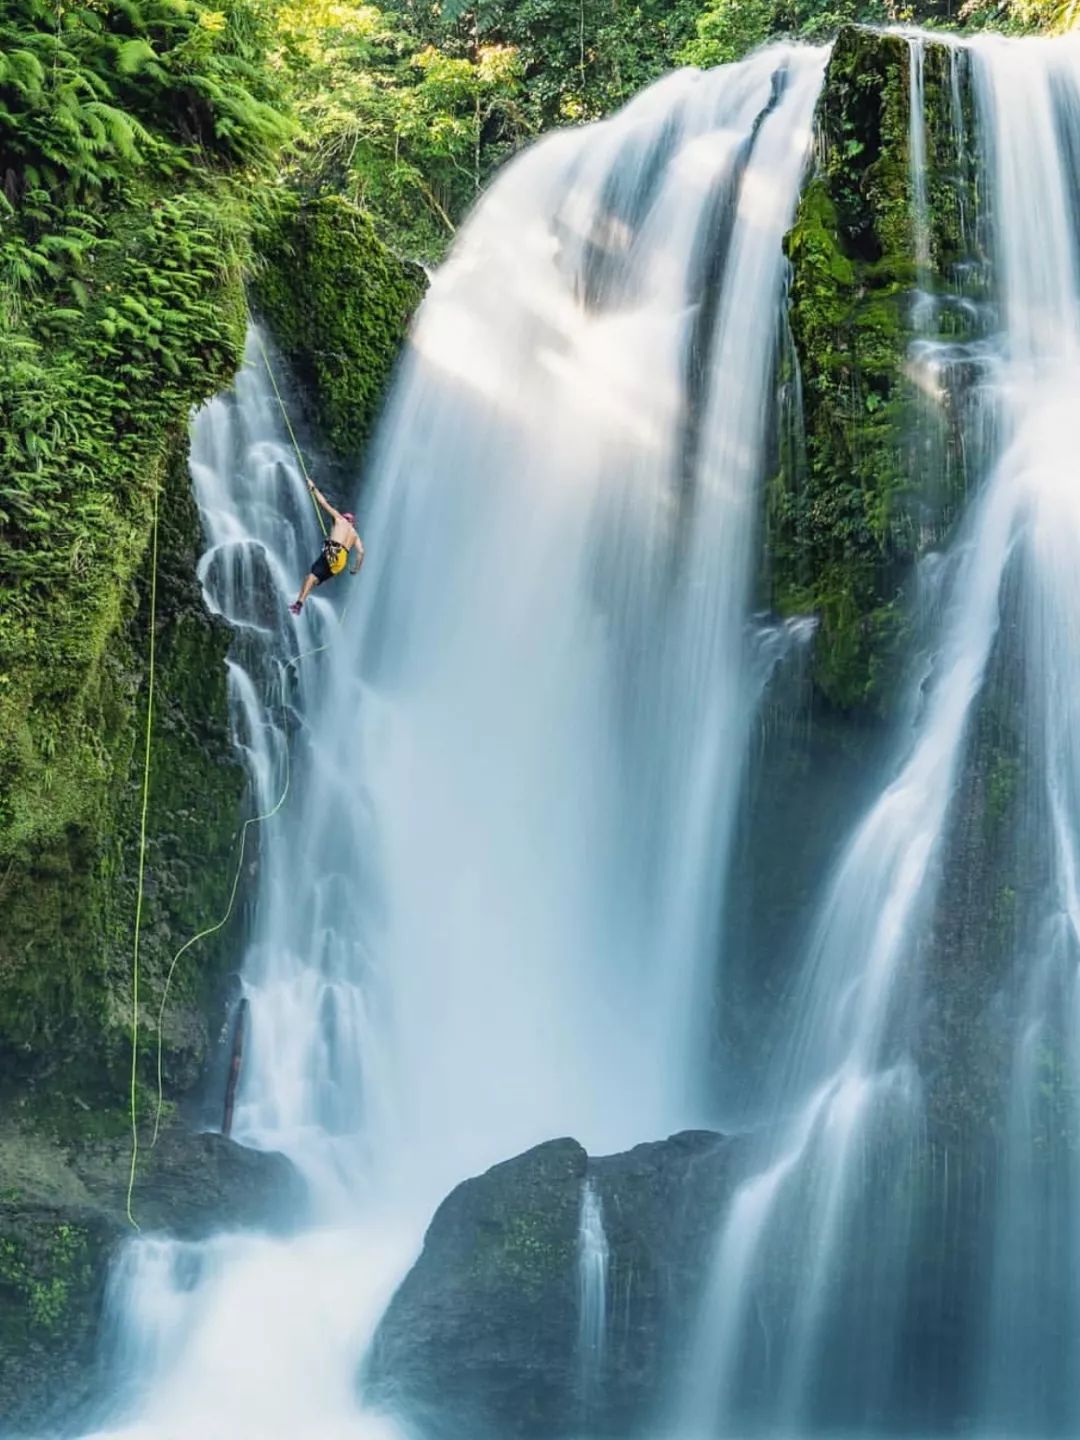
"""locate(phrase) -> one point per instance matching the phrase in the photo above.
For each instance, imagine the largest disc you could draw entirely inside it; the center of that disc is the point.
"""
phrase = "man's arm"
(321, 498)
(358, 557)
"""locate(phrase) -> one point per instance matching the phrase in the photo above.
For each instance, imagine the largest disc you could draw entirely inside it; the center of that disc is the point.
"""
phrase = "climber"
(336, 546)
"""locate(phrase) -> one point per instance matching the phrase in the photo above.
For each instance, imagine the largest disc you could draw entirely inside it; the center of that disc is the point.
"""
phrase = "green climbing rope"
(142, 865)
(251, 821)
(248, 824)
(288, 423)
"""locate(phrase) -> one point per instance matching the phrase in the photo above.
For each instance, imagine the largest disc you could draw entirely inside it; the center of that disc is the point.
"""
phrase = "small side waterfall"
(196, 1329)
(920, 204)
(833, 1184)
(592, 1300)
(1029, 103)
(299, 1086)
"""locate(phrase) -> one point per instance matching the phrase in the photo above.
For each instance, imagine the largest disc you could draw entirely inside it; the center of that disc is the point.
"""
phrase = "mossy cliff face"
(72, 760)
(70, 887)
(851, 509)
(127, 192)
(339, 303)
(74, 686)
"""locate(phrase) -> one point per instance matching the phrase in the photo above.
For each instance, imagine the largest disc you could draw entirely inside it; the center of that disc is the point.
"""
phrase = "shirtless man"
(336, 546)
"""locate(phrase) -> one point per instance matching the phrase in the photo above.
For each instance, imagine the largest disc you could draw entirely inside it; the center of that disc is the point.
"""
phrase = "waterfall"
(831, 1184)
(489, 911)
(1029, 104)
(554, 652)
(592, 1299)
(196, 1329)
(300, 1082)
(920, 204)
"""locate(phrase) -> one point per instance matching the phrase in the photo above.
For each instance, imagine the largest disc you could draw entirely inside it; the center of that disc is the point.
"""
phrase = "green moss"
(846, 512)
(69, 898)
(526, 1253)
(122, 255)
(339, 304)
(49, 1277)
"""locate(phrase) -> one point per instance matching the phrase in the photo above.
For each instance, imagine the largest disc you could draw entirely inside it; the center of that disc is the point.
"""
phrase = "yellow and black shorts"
(330, 563)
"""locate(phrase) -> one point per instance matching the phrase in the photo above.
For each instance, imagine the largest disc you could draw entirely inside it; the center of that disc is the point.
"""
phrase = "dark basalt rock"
(662, 1207)
(191, 1184)
(62, 1222)
(477, 1337)
(481, 1337)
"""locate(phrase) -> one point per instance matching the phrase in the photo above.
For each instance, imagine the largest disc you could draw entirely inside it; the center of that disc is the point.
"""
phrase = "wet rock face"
(481, 1337)
(871, 475)
(62, 1222)
(53, 1269)
(191, 1184)
(477, 1338)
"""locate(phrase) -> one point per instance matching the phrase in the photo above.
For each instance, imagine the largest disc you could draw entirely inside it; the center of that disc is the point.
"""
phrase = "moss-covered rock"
(52, 1280)
(66, 944)
(481, 1337)
(339, 304)
(159, 327)
(477, 1336)
(62, 1222)
(851, 509)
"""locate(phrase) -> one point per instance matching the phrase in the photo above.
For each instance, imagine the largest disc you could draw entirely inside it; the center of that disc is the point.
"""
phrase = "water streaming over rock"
(592, 1301)
(807, 1341)
(1029, 103)
(920, 202)
(196, 1328)
(549, 626)
(488, 912)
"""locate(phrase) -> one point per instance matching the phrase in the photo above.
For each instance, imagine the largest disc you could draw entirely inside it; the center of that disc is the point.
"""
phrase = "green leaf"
(133, 55)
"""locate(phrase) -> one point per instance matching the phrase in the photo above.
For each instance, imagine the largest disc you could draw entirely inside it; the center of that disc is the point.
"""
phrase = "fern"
(133, 56)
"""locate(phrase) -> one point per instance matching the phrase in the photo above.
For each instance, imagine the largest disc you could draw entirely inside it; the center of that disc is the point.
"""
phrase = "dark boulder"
(481, 1337)
(190, 1184)
(662, 1204)
(62, 1222)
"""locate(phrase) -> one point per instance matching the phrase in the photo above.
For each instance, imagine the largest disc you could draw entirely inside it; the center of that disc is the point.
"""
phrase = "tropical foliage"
(126, 128)
(138, 148)
(404, 128)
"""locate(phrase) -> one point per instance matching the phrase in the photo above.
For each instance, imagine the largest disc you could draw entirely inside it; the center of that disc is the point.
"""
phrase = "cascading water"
(198, 1327)
(835, 1167)
(1029, 102)
(564, 671)
(488, 912)
(592, 1300)
(920, 203)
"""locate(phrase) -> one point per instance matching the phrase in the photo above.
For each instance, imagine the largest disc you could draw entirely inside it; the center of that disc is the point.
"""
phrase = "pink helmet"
(348, 515)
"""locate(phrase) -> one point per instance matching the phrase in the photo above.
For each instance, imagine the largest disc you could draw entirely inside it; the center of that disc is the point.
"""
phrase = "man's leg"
(309, 584)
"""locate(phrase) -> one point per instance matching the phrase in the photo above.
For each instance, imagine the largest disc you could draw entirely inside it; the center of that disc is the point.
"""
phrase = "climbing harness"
(248, 824)
(335, 555)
